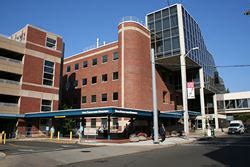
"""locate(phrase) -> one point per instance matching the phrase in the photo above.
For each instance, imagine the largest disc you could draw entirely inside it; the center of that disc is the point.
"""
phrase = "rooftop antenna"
(97, 42)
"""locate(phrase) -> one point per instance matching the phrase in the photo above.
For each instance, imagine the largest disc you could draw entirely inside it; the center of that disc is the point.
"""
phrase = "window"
(174, 31)
(51, 43)
(75, 83)
(94, 80)
(84, 81)
(159, 35)
(166, 23)
(173, 10)
(158, 26)
(104, 97)
(115, 56)
(159, 46)
(115, 96)
(115, 75)
(230, 104)
(158, 15)
(104, 77)
(242, 103)
(93, 98)
(104, 59)
(165, 12)
(48, 73)
(220, 105)
(85, 64)
(76, 66)
(84, 99)
(46, 105)
(68, 68)
(151, 26)
(94, 62)
(115, 123)
(166, 33)
(150, 17)
(175, 43)
(172, 99)
(167, 45)
(93, 123)
(164, 96)
(174, 21)
(104, 122)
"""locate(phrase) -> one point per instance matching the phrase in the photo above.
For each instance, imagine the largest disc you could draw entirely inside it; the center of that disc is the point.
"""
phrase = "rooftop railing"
(133, 19)
(95, 46)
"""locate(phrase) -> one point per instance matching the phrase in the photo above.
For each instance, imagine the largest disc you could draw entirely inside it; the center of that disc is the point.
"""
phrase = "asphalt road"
(233, 150)
(28, 147)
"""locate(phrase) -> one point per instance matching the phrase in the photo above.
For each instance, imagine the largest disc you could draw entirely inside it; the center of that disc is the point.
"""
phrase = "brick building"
(110, 84)
(116, 74)
(29, 74)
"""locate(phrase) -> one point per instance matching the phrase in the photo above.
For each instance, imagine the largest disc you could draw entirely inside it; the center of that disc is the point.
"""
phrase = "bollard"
(1, 139)
(70, 136)
(58, 135)
(51, 135)
(4, 138)
(79, 140)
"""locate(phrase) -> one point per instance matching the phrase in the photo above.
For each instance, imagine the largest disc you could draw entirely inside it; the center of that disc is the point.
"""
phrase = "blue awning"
(12, 116)
(178, 114)
(98, 112)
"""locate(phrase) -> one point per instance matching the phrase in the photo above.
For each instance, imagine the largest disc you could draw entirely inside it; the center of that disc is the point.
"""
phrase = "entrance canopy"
(100, 112)
(107, 111)
(11, 116)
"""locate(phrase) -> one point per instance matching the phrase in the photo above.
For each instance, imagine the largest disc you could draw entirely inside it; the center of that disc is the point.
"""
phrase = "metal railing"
(95, 46)
(133, 19)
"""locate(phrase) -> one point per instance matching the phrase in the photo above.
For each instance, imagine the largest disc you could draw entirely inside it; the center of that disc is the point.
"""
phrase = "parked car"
(236, 127)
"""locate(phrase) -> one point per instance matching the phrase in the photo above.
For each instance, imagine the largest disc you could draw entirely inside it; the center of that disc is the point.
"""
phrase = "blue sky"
(224, 27)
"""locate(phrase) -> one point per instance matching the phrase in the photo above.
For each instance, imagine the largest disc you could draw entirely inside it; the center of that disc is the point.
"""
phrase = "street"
(231, 150)
(28, 147)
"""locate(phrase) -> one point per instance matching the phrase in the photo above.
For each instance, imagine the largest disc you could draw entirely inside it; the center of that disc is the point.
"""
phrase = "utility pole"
(155, 112)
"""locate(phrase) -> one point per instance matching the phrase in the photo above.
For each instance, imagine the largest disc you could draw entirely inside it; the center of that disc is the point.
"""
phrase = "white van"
(236, 126)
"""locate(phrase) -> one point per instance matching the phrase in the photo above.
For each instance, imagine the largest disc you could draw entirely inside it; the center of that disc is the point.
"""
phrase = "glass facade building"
(164, 29)
(166, 40)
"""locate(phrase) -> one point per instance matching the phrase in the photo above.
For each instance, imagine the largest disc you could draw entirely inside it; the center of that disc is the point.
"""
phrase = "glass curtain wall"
(164, 30)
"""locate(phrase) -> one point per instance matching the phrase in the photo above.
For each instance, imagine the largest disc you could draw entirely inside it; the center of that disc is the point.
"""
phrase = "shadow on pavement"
(232, 150)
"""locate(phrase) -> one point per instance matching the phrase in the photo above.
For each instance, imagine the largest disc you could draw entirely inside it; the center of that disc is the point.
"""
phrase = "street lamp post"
(155, 112)
(184, 89)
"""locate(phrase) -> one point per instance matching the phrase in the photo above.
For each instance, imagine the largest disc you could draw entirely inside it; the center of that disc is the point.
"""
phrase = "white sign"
(126, 112)
(89, 131)
(95, 112)
(190, 90)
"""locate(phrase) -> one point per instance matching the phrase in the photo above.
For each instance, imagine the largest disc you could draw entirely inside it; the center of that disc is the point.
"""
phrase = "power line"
(230, 66)
(218, 66)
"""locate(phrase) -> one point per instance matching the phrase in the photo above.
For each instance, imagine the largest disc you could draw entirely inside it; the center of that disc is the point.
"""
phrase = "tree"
(69, 124)
(243, 117)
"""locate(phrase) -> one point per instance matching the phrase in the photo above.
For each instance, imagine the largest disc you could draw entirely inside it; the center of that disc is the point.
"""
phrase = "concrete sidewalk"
(168, 142)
